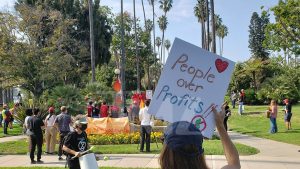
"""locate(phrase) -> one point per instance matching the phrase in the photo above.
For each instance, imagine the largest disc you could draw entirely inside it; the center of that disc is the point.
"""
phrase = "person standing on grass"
(13, 112)
(233, 98)
(288, 114)
(63, 120)
(227, 114)
(273, 115)
(29, 114)
(6, 118)
(51, 131)
(146, 128)
(76, 142)
(35, 125)
(241, 101)
(1, 117)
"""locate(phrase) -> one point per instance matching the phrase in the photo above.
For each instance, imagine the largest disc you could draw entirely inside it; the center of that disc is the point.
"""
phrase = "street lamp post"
(122, 60)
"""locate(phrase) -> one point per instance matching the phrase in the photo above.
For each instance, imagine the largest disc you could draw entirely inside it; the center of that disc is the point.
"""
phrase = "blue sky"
(183, 24)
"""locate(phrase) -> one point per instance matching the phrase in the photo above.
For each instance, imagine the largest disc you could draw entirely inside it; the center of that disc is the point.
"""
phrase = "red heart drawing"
(221, 65)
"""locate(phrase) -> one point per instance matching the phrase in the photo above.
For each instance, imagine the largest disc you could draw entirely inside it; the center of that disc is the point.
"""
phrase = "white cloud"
(7, 5)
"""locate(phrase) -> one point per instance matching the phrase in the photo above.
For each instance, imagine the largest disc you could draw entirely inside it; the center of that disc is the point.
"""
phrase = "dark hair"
(90, 103)
(36, 111)
(147, 103)
(170, 159)
(104, 102)
(28, 112)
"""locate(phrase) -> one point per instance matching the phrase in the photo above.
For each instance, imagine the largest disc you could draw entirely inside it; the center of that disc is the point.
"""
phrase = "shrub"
(65, 96)
(131, 138)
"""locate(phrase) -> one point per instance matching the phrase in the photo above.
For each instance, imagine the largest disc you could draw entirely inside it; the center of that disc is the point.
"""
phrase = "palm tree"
(158, 43)
(153, 26)
(200, 12)
(167, 45)
(212, 8)
(217, 25)
(165, 5)
(222, 32)
(207, 23)
(162, 23)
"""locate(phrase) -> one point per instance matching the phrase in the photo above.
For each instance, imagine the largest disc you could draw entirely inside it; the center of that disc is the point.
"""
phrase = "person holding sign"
(183, 146)
(76, 142)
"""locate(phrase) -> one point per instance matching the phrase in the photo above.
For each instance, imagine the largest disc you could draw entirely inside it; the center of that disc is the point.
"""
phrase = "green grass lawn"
(254, 122)
(17, 130)
(211, 147)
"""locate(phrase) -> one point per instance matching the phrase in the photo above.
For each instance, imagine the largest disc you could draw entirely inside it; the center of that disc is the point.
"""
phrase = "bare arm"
(230, 151)
(70, 151)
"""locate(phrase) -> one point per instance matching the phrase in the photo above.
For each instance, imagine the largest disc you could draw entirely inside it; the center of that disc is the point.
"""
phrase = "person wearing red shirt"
(104, 110)
(90, 109)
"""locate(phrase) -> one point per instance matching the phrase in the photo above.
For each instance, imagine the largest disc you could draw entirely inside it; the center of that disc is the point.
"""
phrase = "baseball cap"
(51, 109)
(182, 133)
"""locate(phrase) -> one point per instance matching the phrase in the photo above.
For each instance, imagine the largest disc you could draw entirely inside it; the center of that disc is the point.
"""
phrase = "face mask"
(83, 127)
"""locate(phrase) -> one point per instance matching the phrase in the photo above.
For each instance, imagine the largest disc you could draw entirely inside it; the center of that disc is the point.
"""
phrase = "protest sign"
(192, 82)
(149, 94)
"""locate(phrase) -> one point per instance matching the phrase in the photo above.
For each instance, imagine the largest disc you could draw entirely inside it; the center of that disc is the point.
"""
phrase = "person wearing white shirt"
(51, 131)
(146, 128)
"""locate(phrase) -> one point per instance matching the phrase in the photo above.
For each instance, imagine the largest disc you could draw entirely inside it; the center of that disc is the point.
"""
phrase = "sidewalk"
(273, 155)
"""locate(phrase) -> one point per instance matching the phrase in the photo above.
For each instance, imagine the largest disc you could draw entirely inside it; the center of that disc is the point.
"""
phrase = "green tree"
(284, 33)
(77, 10)
(257, 35)
(40, 56)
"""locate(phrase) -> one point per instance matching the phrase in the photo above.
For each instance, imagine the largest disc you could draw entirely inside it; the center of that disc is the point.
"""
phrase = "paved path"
(273, 155)
(12, 138)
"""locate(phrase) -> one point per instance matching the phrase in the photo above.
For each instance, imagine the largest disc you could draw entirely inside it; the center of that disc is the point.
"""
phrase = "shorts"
(11, 119)
(287, 117)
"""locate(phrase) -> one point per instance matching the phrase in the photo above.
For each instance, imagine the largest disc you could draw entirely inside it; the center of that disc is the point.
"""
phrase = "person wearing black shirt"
(227, 114)
(35, 125)
(288, 114)
(76, 142)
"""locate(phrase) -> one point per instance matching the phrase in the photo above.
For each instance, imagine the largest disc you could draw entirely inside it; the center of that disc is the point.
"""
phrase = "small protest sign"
(149, 94)
(192, 82)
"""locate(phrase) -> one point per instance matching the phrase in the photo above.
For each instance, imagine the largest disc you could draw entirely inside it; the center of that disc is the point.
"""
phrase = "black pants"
(145, 133)
(36, 140)
(73, 163)
(225, 122)
(5, 126)
(62, 135)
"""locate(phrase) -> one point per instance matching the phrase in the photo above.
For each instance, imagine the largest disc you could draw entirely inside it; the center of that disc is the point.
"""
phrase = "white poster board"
(149, 94)
(192, 82)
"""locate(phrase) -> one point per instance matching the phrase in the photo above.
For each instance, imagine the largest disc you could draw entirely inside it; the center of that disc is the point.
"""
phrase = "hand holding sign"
(192, 82)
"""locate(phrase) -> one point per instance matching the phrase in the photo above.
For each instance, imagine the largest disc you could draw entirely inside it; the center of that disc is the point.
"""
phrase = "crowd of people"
(182, 140)
(72, 136)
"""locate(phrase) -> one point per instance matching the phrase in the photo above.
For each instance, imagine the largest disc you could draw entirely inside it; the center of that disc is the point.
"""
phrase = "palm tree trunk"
(144, 13)
(213, 26)
(220, 46)
(207, 20)
(136, 52)
(154, 52)
(202, 35)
